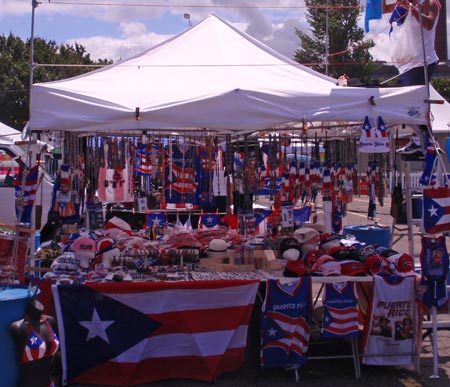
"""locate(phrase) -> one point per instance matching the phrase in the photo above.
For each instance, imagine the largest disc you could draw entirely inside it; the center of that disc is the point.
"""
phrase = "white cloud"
(136, 31)
(14, 8)
(135, 38)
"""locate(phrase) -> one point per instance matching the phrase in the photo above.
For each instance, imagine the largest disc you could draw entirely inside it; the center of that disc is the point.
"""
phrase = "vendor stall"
(163, 138)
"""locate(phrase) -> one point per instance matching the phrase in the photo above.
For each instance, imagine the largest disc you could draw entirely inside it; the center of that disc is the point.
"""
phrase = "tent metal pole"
(34, 5)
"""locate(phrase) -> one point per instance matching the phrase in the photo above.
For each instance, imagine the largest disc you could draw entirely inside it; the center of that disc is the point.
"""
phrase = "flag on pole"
(29, 192)
(373, 11)
(436, 210)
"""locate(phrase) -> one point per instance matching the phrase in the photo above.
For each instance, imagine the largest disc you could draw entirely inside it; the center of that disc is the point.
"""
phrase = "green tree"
(15, 72)
(348, 54)
(442, 86)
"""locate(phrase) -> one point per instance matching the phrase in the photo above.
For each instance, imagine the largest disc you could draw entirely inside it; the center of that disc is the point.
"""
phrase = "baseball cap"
(307, 235)
(376, 264)
(330, 243)
(401, 264)
(320, 261)
(294, 269)
(330, 268)
(291, 255)
(353, 267)
(288, 243)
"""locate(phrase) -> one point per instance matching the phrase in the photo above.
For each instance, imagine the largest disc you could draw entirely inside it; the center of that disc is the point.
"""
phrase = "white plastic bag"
(405, 44)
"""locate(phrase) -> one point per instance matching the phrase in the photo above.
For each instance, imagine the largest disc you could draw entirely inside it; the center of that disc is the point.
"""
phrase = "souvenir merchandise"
(434, 262)
(391, 331)
(340, 310)
(286, 323)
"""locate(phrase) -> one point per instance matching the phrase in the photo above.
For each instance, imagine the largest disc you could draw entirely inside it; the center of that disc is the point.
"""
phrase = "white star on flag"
(209, 219)
(272, 332)
(96, 327)
(432, 211)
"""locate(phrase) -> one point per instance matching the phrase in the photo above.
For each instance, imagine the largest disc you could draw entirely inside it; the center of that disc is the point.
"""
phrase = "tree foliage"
(348, 54)
(442, 86)
(15, 72)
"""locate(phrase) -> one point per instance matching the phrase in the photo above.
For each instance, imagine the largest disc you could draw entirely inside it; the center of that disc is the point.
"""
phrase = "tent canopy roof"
(211, 76)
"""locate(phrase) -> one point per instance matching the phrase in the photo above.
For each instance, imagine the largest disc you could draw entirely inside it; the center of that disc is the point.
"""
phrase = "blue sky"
(118, 29)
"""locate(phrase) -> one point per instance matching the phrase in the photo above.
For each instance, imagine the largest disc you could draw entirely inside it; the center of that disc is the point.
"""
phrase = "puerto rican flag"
(301, 215)
(290, 334)
(208, 220)
(436, 210)
(155, 219)
(29, 192)
(124, 334)
(143, 163)
(340, 322)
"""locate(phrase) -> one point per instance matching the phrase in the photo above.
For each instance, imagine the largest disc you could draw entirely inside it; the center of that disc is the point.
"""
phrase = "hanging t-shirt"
(180, 182)
(391, 330)
(366, 140)
(381, 138)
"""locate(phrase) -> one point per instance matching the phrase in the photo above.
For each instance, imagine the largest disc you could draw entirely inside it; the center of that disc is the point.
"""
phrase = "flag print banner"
(29, 192)
(124, 334)
(208, 220)
(436, 210)
(301, 215)
(340, 322)
(155, 219)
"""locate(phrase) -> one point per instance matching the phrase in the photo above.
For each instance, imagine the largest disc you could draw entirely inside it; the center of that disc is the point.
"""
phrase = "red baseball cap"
(353, 267)
(376, 264)
(402, 264)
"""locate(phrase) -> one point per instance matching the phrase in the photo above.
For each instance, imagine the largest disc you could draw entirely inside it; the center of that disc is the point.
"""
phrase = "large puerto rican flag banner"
(436, 210)
(123, 334)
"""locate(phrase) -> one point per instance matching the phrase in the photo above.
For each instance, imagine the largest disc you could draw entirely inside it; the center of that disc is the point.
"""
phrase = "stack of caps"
(330, 243)
(402, 264)
(308, 239)
(326, 265)
(377, 264)
(84, 248)
(289, 249)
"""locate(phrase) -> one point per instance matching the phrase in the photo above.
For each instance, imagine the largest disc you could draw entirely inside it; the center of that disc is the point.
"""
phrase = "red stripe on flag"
(184, 367)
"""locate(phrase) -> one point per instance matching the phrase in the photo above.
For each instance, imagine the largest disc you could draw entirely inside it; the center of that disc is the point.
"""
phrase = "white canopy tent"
(217, 77)
(440, 113)
(9, 135)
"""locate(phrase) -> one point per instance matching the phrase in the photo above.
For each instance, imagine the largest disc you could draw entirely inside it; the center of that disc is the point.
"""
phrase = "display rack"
(411, 194)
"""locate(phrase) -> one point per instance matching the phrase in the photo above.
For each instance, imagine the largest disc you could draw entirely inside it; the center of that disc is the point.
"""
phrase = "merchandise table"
(138, 332)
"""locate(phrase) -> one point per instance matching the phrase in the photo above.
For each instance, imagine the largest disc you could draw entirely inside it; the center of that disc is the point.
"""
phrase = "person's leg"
(413, 77)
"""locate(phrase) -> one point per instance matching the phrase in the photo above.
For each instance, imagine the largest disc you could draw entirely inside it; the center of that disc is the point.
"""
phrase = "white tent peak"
(215, 42)
(211, 76)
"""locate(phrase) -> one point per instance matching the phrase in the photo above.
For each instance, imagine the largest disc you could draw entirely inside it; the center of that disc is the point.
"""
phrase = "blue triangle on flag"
(271, 330)
(86, 348)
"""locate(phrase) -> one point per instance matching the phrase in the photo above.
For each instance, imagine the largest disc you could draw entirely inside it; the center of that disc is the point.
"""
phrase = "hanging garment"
(391, 329)
(180, 182)
(286, 323)
(205, 167)
(434, 262)
(381, 138)
(340, 310)
(366, 140)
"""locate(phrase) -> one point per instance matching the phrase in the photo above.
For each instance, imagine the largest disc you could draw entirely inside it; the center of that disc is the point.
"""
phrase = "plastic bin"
(370, 234)
(12, 308)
